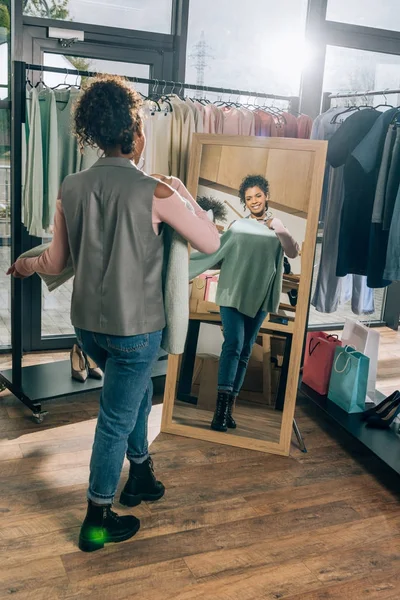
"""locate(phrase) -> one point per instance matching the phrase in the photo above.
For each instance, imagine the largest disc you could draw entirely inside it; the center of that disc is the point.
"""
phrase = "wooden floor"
(233, 525)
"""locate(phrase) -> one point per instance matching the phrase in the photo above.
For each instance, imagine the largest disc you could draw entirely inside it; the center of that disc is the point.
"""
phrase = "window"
(151, 15)
(95, 65)
(348, 70)
(383, 15)
(259, 49)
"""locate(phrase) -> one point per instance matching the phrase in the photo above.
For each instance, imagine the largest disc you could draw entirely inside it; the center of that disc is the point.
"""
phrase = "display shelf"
(384, 443)
(43, 382)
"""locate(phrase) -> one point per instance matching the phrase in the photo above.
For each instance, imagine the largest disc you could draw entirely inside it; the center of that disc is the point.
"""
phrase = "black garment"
(359, 251)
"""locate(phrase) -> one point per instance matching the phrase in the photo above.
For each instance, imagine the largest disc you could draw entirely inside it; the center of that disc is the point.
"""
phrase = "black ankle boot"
(230, 421)
(102, 526)
(141, 485)
(219, 422)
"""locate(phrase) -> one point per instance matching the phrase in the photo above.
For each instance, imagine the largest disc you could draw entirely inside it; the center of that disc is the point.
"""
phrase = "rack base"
(53, 380)
(384, 443)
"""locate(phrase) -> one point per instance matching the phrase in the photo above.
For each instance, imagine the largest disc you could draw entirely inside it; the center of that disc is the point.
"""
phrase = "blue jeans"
(240, 333)
(125, 405)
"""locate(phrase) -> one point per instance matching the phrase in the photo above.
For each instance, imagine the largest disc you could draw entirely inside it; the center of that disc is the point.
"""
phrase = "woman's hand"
(13, 271)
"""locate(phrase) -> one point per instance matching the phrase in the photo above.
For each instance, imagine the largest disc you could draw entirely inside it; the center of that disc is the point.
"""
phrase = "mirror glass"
(251, 351)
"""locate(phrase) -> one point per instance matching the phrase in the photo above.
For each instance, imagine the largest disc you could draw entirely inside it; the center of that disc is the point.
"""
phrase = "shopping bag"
(211, 288)
(318, 360)
(349, 379)
(365, 340)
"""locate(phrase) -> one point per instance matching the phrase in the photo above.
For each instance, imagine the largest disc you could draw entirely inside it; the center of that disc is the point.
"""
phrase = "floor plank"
(234, 524)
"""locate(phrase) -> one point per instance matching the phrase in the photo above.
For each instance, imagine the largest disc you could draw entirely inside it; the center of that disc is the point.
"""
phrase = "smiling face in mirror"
(254, 194)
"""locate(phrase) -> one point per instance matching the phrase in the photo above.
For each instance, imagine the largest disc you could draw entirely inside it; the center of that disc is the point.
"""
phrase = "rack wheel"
(39, 417)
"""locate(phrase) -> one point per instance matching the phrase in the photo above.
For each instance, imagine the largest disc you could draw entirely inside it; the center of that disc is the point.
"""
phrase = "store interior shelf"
(384, 443)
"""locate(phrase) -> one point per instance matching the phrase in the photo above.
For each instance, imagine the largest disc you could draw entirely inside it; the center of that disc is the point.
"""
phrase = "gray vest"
(116, 255)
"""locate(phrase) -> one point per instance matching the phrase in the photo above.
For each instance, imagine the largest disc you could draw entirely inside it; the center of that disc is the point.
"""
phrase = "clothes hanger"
(350, 108)
(65, 84)
(385, 105)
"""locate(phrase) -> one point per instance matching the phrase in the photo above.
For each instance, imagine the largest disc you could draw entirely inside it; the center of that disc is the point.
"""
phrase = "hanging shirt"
(51, 183)
(232, 121)
(304, 127)
(393, 180)
(33, 190)
(366, 251)
(291, 126)
(247, 122)
(392, 265)
(332, 291)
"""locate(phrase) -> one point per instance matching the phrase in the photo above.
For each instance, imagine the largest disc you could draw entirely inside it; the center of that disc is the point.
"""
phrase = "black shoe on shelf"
(385, 421)
(142, 485)
(219, 422)
(103, 526)
(230, 421)
(382, 407)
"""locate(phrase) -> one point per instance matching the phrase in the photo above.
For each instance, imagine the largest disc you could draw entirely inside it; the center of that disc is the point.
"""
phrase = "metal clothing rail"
(165, 84)
(328, 96)
(362, 94)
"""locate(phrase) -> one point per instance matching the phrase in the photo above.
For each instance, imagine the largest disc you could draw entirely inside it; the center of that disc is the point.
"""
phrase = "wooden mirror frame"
(317, 149)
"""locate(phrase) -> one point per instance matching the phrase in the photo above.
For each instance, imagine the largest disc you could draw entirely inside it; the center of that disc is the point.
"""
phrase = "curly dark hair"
(107, 114)
(252, 181)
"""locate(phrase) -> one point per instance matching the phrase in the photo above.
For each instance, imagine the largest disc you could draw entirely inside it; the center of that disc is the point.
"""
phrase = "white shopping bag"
(210, 341)
(365, 340)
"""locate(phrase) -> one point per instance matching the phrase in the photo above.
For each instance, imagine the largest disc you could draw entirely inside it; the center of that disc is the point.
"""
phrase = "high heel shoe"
(78, 365)
(94, 371)
(385, 421)
(380, 408)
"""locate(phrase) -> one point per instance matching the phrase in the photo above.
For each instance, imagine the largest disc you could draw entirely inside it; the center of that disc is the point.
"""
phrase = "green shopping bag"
(349, 379)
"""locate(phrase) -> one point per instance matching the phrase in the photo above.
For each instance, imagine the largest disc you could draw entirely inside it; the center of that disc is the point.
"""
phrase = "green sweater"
(251, 270)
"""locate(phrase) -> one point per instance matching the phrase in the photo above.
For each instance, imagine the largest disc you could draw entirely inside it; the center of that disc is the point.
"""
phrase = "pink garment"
(195, 227)
(265, 124)
(248, 122)
(232, 121)
(291, 125)
(304, 126)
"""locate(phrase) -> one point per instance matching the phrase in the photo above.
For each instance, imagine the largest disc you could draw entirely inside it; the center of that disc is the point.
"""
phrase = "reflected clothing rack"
(35, 384)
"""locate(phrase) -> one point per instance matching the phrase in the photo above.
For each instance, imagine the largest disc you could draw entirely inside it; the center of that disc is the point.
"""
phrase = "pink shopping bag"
(318, 360)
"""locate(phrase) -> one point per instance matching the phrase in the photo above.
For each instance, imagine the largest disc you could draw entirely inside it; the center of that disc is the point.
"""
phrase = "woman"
(240, 331)
(108, 219)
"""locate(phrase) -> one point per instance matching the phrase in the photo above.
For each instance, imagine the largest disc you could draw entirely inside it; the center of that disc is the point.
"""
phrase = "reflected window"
(261, 48)
(369, 13)
(151, 15)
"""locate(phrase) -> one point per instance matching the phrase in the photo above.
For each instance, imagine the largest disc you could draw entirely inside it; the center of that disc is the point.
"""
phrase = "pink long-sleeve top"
(195, 227)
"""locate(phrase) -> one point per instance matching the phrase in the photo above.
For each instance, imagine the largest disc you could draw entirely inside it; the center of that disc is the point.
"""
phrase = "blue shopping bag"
(349, 379)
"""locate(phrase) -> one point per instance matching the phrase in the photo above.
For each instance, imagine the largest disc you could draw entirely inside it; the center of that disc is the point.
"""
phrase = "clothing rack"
(329, 96)
(35, 384)
(384, 443)
(292, 100)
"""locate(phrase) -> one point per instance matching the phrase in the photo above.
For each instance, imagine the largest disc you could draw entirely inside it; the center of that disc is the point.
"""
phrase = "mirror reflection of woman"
(240, 331)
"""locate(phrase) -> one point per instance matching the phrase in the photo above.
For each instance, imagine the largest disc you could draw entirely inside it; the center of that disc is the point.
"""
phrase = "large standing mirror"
(288, 173)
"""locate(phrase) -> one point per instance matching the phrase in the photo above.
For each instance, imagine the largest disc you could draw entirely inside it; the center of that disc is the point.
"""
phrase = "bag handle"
(349, 353)
(311, 350)
(333, 335)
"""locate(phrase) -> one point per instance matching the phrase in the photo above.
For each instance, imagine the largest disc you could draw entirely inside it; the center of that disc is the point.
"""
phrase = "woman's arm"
(288, 243)
(53, 260)
(169, 207)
